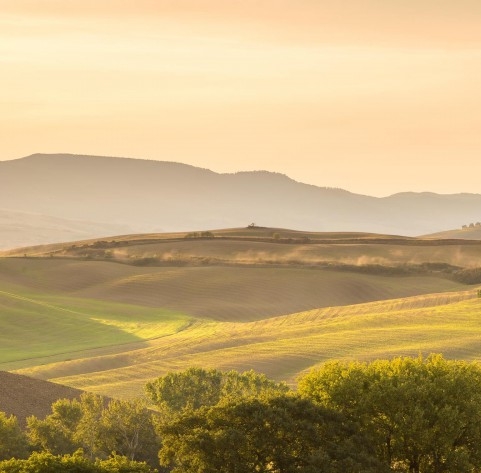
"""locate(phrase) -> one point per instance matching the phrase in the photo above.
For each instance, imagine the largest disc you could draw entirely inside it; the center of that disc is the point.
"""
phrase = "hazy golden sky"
(374, 96)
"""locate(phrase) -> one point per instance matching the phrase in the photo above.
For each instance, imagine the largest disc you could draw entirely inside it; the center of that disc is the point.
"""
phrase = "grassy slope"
(109, 327)
(60, 327)
(285, 346)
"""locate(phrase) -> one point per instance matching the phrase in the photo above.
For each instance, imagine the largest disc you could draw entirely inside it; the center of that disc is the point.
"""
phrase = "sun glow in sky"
(373, 96)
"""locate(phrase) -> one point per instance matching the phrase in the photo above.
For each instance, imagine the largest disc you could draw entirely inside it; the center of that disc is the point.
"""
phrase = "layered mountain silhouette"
(108, 194)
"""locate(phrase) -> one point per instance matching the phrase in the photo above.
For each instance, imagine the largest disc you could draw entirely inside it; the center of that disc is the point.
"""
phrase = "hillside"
(254, 245)
(468, 233)
(22, 396)
(153, 196)
(283, 347)
(238, 274)
(107, 315)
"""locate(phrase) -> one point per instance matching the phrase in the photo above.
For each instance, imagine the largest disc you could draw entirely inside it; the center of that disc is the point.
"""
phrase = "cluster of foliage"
(405, 415)
(224, 422)
(405, 269)
(194, 388)
(468, 276)
(409, 415)
(147, 261)
(97, 427)
(46, 462)
(87, 435)
(199, 235)
(471, 225)
(420, 415)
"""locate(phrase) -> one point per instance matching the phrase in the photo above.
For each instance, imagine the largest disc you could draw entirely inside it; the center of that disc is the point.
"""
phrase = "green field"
(109, 325)
(63, 326)
(283, 347)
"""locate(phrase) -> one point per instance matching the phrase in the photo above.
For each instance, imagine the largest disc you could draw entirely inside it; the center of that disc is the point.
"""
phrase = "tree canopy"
(197, 387)
(46, 462)
(282, 434)
(406, 415)
(423, 415)
(98, 427)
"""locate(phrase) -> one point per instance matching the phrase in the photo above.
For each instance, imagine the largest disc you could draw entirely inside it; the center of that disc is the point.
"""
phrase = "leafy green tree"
(55, 433)
(283, 434)
(237, 385)
(127, 428)
(98, 427)
(71, 425)
(190, 389)
(13, 442)
(422, 415)
(196, 387)
(88, 429)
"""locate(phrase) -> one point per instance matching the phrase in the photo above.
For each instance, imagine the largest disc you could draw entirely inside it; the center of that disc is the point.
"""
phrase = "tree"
(13, 442)
(422, 415)
(88, 430)
(283, 434)
(55, 433)
(127, 428)
(190, 389)
(72, 424)
(98, 427)
(196, 387)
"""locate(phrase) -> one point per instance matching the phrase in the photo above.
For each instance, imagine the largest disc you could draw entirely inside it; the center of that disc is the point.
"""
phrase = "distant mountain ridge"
(145, 196)
(25, 229)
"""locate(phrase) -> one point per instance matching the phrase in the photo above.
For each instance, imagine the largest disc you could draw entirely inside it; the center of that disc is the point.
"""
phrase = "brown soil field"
(22, 396)
(233, 293)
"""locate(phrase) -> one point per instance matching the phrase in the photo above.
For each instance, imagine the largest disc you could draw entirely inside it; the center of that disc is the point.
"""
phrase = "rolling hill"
(108, 315)
(152, 196)
(468, 233)
(283, 347)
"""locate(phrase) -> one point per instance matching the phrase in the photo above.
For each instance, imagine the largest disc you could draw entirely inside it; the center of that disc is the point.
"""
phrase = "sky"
(372, 96)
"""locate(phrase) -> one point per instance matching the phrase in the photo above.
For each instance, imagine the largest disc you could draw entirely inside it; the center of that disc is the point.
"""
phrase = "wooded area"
(410, 415)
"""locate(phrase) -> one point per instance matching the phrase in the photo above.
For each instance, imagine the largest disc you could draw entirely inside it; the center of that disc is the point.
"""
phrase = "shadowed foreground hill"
(166, 196)
(23, 396)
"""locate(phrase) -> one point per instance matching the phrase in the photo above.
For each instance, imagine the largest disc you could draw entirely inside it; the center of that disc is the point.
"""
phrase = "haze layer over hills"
(145, 196)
